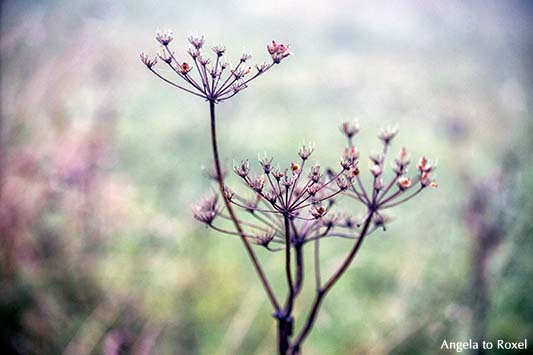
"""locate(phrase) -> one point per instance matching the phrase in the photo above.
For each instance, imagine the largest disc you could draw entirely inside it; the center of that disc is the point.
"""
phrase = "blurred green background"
(100, 162)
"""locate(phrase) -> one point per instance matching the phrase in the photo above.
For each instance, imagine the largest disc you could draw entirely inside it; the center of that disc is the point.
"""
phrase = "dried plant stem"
(284, 317)
(322, 291)
(229, 207)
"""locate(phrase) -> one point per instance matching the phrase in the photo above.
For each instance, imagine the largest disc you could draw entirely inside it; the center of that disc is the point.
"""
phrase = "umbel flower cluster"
(216, 79)
(287, 208)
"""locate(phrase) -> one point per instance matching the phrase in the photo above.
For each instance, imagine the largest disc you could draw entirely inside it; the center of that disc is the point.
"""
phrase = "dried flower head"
(184, 68)
(166, 57)
(344, 182)
(350, 154)
(265, 238)
(278, 174)
(295, 167)
(212, 81)
(238, 86)
(258, 183)
(404, 182)
(245, 57)
(388, 134)
(305, 151)
(197, 41)
(424, 165)
(287, 181)
(203, 61)
(278, 51)
(242, 169)
(207, 209)
(314, 174)
(147, 60)
(266, 163)
(401, 163)
(350, 129)
(164, 37)
(318, 211)
(219, 50)
(376, 170)
(313, 189)
(262, 67)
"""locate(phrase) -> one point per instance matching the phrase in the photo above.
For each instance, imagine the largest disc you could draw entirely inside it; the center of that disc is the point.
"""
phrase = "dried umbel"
(287, 209)
(302, 198)
(215, 79)
(294, 206)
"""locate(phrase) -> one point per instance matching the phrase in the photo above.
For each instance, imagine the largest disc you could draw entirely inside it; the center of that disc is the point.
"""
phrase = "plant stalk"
(247, 246)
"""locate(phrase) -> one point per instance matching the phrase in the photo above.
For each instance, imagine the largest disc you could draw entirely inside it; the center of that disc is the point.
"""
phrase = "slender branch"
(298, 250)
(402, 200)
(229, 207)
(174, 84)
(317, 263)
(321, 292)
(290, 298)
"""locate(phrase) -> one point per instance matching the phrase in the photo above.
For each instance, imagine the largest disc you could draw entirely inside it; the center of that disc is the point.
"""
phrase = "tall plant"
(291, 207)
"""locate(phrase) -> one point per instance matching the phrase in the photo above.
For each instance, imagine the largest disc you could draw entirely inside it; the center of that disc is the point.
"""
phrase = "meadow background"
(100, 162)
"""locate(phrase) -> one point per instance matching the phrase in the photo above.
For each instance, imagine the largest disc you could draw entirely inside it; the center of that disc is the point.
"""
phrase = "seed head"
(313, 189)
(425, 180)
(305, 151)
(265, 238)
(239, 73)
(404, 182)
(242, 169)
(271, 196)
(203, 61)
(278, 51)
(424, 165)
(350, 129)
(238, 86)
(343, 182)
(219, 50)
(388, 134)
(258, 183)
(193, 52)
(314, 174)
(266, 163)
(184, 68)
(245, 57)
(197, 41)
(164, 37)
(149, 62)
(376, 158)
(207, 209)
(295, 167)
(262, 67)
(318, 211)
(214, 72)
(278, 174)
(400, 166)
(287, 181)
(376, 170)
(166, 57)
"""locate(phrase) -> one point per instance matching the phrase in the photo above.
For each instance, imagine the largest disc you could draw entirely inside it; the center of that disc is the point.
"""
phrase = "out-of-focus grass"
(100, 162)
